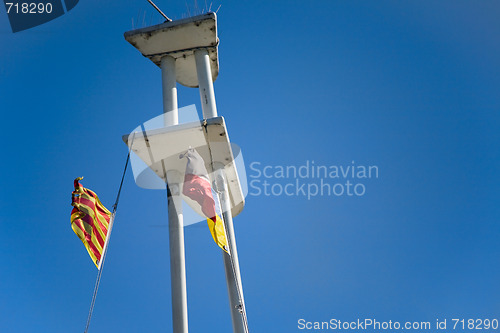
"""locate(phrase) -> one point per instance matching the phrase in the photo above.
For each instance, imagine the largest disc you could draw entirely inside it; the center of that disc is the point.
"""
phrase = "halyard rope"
(98, 279)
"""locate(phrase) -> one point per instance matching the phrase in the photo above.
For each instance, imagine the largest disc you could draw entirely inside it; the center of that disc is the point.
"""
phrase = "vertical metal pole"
(177, 258)
(232, 269)
(175, 218)
(169, 87)
(205, 83)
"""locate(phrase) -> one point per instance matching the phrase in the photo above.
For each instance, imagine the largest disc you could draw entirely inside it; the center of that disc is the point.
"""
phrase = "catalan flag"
(197, 187)
(89, 220)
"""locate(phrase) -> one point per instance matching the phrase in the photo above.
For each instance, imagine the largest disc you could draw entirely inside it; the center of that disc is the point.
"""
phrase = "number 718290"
(28, 8)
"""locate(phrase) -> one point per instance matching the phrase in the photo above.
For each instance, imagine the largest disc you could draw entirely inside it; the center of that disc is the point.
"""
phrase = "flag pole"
(175, 217)
(231, 263)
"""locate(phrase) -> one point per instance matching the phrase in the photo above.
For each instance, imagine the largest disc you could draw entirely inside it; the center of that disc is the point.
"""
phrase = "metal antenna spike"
(159, 11)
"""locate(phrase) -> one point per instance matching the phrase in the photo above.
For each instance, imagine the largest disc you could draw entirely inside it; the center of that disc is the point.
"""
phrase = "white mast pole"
(205, 84)
(169, 88)
(175, 217)
(231, 263)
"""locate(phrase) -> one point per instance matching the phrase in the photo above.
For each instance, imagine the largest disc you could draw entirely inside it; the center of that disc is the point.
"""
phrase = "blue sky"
(411, 87)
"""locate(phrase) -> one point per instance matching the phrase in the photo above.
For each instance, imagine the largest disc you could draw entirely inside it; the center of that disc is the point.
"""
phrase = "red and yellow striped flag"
(89, 220)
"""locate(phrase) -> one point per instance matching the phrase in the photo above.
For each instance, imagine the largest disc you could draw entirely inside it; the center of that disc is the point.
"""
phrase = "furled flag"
(197, 187)
(89, 220)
